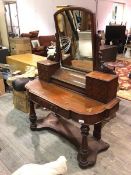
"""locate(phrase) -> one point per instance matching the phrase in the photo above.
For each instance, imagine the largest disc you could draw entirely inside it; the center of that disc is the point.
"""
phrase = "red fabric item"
(122, 69)
(46, 40)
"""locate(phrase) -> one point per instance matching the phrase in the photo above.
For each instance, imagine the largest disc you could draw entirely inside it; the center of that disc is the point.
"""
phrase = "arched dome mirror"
(76, 37)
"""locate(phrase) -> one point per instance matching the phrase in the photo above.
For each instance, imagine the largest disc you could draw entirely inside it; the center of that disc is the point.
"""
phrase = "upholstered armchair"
(39, 43)
(45, 42)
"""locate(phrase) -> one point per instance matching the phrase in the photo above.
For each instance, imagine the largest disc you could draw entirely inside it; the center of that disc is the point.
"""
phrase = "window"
(118, 13)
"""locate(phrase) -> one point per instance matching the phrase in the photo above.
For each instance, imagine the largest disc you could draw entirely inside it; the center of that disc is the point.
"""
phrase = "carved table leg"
(83, 153)
(97, 135)
(32, 117)
(97, 131)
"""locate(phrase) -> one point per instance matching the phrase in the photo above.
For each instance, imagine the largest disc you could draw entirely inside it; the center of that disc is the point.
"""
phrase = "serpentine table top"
(87, 109)
(66, 105)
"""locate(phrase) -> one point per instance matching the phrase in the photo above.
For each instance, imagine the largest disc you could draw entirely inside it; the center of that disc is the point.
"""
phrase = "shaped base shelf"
(73, 133)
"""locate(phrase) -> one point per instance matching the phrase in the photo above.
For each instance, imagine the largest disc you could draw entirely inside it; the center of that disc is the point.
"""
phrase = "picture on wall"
(35, 43)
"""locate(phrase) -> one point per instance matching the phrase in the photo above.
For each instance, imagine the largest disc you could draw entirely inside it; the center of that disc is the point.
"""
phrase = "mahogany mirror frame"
(94, 36)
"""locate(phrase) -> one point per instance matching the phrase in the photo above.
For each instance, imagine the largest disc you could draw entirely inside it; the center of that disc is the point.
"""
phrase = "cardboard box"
(20, 45)
(20, 101)
(2, 86)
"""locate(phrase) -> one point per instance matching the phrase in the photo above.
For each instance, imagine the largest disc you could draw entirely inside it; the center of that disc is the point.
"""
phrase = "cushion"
(40, 48)
(34, 33)
(25, 35)
(19, 84)
(46, 40)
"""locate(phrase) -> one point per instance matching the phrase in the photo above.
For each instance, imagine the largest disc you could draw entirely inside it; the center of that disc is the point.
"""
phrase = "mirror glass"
(75, 38)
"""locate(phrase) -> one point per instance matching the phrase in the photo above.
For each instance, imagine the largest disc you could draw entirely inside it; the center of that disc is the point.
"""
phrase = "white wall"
(127, 16)
(38, 14)
(104, 14)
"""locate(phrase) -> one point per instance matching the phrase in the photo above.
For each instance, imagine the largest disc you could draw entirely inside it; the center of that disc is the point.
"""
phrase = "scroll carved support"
(32, 117)
(83, 153)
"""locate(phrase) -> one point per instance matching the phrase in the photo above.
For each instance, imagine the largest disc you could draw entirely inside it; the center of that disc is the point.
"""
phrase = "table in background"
(19, 62)
(109, 52)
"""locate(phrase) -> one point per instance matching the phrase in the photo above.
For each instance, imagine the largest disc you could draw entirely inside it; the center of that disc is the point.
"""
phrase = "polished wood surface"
(79, 107)
(83, 64)
(71, 77)
(46, 69)
(64, 98)
(101, 86)
(101, 76)
(96, 85)
(19, 62)
(68, 104)
(66, 92)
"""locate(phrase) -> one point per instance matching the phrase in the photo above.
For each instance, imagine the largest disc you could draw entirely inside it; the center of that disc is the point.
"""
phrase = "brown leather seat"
(44, 42)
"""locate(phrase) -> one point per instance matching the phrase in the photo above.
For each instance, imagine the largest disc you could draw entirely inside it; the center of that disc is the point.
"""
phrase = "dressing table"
(72, 87)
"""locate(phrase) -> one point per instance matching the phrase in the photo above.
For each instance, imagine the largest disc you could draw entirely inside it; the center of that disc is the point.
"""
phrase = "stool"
(20, 97)
(20, 101)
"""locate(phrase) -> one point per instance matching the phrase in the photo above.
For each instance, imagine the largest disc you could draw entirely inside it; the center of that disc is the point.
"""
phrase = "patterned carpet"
(126, 94)
(122, 69)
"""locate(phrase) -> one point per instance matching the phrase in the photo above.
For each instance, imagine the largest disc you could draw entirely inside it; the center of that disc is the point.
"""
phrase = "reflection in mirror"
(75, 36)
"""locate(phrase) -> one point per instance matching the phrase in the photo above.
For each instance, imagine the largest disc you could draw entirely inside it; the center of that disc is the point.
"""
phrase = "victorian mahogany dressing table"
(71, 93)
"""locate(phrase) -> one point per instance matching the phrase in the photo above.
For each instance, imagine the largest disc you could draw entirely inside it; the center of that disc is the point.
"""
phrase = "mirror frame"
(94, 37)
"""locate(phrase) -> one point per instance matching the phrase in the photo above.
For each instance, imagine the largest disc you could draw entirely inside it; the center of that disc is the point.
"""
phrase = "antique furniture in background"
(43, 42)
(72, 88)
(108, 52)
(116, 34)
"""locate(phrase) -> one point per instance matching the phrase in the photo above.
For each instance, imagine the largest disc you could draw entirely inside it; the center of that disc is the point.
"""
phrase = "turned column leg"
(83, 153)
(97, 131)
(32, 117)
